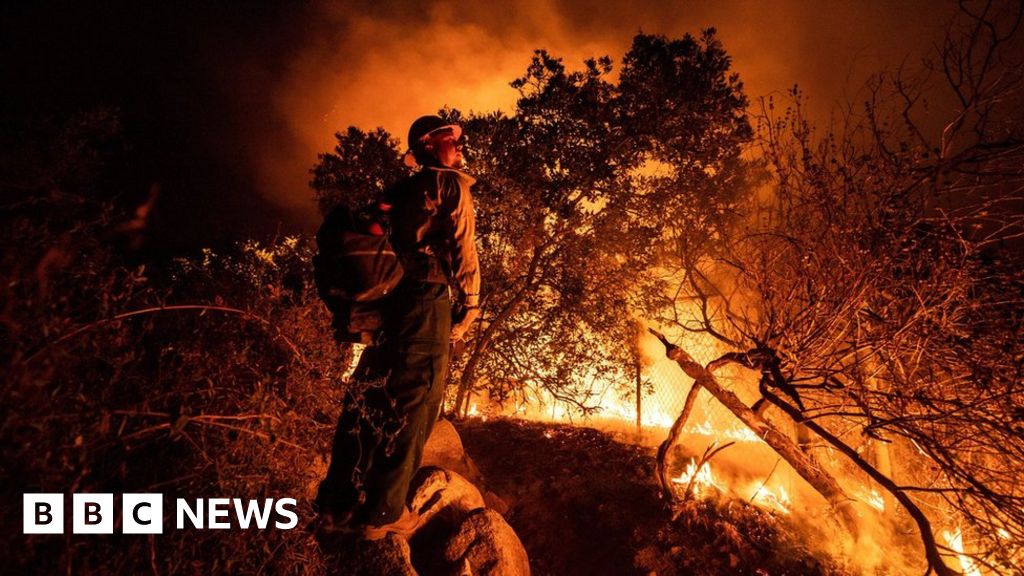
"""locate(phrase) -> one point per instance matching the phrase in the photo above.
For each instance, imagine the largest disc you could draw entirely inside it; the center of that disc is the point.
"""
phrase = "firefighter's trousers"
(390, 408)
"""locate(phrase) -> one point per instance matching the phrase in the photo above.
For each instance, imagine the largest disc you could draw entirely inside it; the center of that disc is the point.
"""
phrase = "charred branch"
(803, 463)
(931, 547)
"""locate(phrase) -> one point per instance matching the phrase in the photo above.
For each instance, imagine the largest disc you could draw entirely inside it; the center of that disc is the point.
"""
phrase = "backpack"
(355, 268)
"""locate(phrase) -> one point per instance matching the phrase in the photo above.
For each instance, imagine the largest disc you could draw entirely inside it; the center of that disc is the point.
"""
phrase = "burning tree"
(875, 289)
(575, 188)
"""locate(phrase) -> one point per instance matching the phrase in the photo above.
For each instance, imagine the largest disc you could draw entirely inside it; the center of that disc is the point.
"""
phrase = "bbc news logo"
(143, 513)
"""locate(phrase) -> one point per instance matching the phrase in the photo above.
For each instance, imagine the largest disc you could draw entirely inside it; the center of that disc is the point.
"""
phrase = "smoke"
(231, 105)
(386, 65)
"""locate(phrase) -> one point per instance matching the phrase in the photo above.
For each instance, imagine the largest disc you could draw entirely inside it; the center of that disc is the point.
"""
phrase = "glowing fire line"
(955, 539)
(704, 481)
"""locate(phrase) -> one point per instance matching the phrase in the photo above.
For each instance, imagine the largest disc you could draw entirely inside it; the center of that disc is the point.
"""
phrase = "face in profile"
(446, 148)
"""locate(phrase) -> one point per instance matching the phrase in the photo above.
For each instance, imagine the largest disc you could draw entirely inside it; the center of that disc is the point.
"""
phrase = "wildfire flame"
(955, 539)
(622, 410)
(657, 414)
(703, 479)
(777, 498)
(872, 498)
(737, 433)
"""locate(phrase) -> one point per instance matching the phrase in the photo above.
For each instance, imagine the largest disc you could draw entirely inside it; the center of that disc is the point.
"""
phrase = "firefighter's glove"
(462, 320)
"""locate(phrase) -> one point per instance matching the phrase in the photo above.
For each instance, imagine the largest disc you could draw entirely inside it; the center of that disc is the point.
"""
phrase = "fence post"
(639, 397)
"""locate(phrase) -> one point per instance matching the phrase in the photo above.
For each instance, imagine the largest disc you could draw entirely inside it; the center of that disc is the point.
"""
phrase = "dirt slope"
(585, 504)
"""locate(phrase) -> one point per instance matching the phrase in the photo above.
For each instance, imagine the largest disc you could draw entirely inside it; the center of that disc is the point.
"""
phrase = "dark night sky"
(161, 68)
(227, 104)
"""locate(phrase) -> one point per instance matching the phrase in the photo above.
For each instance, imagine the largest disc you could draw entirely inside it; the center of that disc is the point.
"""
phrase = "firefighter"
(399, 385)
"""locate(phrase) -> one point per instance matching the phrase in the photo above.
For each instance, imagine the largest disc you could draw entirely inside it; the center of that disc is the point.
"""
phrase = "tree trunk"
(884, 462)
(661, 468)
(803, 463)
(468, 373)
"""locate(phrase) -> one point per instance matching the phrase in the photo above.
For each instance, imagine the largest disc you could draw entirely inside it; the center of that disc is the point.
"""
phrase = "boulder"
(439, 494)
(444, 450)
(488, 546)
(496, 502)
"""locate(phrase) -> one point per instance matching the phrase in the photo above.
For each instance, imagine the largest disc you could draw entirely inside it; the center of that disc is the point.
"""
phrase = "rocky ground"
(511, 498)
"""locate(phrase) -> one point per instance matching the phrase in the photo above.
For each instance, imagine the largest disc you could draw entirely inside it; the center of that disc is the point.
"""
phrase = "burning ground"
(584, 503)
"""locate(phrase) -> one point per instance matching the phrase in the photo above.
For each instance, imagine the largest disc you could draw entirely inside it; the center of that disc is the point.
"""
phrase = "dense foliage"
(575, 190)
(214, 376)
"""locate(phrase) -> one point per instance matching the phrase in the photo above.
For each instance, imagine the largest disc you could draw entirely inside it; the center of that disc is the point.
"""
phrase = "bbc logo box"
(93, 513)
(43, 513)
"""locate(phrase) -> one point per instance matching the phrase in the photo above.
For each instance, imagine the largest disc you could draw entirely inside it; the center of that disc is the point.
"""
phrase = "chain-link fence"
(666, 387)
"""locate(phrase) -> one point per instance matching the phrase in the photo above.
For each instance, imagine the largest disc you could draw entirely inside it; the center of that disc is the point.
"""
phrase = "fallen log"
(804, 464)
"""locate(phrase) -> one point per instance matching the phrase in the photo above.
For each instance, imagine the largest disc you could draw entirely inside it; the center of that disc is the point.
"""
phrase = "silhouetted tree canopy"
(575, 188)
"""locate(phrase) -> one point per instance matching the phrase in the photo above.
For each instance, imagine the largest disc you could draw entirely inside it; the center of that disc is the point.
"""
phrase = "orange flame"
(872, 498)
(703, 478)
(776, 498)
(955, 539)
